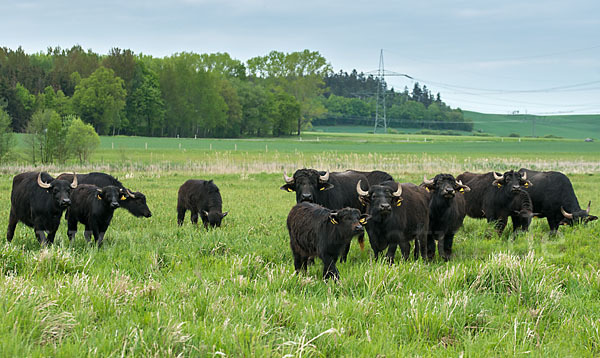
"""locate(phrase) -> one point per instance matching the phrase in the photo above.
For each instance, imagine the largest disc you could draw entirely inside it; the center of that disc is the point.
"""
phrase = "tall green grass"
(156, 289)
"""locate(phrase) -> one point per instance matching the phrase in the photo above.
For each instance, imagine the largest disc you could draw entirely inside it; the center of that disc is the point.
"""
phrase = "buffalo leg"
(329, 269)
(41, 236)
(391, 252)
(194, 217)
(87, 233)
(300, 262)
(422, 238)
(51, 235)
(180, 215)
(430, 246)
(448, 240)
(12, 224)
(345, 251)
(71, 228)
(100, 239)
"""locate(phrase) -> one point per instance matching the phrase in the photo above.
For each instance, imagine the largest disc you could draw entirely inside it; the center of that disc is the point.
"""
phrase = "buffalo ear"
(325, 186)
(333, 217)
(428, 187)
(364, 218)
(224, 214)
(287, 187)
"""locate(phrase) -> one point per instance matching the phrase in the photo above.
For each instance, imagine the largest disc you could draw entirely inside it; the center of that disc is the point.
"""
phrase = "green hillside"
(567, 126)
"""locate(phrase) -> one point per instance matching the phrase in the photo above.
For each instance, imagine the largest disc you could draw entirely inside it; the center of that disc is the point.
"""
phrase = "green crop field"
(156, 289)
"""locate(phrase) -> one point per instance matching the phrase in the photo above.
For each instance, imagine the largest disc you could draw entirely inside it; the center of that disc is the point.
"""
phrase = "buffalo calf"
(317, 231)
(93, 207)
(202, 198)
(38, 201)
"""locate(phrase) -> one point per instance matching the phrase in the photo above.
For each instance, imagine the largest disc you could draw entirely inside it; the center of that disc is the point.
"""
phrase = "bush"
(514, 135)
(82, 139)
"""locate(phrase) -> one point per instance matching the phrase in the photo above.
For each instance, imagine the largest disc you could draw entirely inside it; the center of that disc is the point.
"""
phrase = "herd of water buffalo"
(331, 208)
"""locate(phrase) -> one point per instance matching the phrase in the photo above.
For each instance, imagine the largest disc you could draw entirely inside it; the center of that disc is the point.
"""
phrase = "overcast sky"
(535, 56)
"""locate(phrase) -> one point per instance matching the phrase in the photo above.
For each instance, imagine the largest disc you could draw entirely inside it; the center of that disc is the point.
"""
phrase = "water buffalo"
(38, 200)
(93, 207)
(135, 202)
(553, 197)
(492, 195)
(201, 198)
(399, 213)
(317, 231)
(446, 212)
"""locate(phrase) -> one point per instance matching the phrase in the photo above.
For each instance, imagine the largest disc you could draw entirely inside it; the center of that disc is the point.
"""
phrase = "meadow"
(156, 289)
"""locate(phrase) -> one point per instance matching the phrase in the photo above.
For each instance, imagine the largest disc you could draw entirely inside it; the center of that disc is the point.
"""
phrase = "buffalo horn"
(524, 175)
(497, 177)
(360, 191)
(41, 183)
(427, 181)
(324, 178)
(288, 180)
(130, 193)
(566, 214)
(74, 183)
(460, 184)
(588, 208)
(398, 192)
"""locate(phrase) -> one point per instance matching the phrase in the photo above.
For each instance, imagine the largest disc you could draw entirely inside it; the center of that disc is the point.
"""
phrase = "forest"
(204, 95)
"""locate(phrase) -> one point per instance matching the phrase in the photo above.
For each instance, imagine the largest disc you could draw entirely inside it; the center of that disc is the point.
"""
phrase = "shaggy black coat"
(202, 198)
(522, 211)
(135, 202)
(551, 191)
(446, 213)
(93, 207)
(37, 207)
(395, 221)
(317, 231)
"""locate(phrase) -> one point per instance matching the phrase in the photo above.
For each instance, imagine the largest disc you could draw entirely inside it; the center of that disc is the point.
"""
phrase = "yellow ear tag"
(333, 221)
(362, 221)
(462, 190)
(123, 197)
(99, 198)
(323, 188)
(289, 189)
(526, 185)
(426, 188)
(399, 202)
(499, 185)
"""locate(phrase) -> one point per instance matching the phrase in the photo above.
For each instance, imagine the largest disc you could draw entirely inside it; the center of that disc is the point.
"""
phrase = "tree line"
(203, 95)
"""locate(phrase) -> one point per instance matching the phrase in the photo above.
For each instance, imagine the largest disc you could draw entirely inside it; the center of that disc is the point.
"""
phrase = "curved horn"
(41, 183)
(459, 182)
(497, 177)
(588, 208)
(288, 180)
(427, 181)
(398, 192)
(524, 176)
(130, 193)
(74, 183)
(324, 178)
(566, 214)
(360, 191)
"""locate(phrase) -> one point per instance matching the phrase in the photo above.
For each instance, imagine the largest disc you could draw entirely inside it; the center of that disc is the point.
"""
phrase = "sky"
(536, 56)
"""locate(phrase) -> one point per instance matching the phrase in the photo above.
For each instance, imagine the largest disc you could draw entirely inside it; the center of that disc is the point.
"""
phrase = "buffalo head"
(110, 196)
(579, 216)
(59, 189)
(380, 198)
(511, 181)
(135, 203)
(444, 185)
(307, 183)
(349, 220)
(214, 217)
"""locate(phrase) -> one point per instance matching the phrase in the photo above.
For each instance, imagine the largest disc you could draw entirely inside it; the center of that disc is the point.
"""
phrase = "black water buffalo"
(375, 177)
(553, 197)
(38, 200)
(399, 214)
(446, 212)
(135, 202)
(93, 207)
(331, 190)
(202, 198)
(492, 195)
(317, 231)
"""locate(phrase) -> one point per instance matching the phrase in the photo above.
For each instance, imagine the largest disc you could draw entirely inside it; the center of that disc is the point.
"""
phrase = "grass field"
(156, 289)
